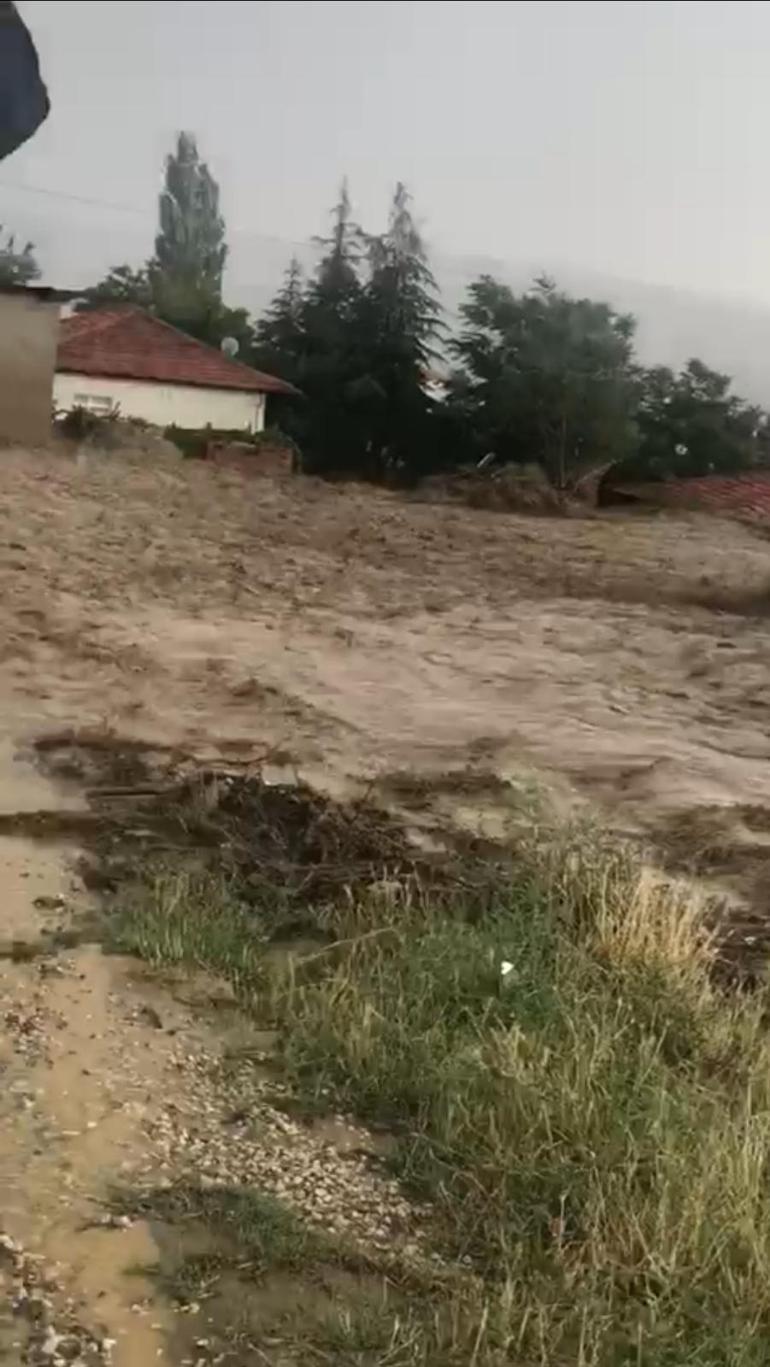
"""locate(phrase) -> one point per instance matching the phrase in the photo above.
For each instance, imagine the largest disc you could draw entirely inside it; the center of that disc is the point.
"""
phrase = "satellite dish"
(229, 345)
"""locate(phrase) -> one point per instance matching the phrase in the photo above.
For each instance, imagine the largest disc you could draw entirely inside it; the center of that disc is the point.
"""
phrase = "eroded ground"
(364, 641)
(354, 633)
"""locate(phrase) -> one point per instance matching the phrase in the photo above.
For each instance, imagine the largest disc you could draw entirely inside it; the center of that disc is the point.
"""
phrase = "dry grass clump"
(512, 488)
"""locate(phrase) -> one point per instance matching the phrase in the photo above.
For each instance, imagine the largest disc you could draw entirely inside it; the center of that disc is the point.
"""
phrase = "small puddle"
(104, 1267)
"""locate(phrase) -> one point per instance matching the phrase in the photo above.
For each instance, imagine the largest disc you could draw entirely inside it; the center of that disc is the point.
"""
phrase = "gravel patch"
(228, 1130)
(49, 1333)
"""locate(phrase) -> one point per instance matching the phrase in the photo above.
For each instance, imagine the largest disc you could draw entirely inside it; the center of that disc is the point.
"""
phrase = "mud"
(74, 1079)
(345, 634)
(118, 1080)
(443, 660)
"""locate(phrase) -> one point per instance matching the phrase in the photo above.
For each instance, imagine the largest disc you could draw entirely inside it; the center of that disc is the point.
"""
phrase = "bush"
(508, 488)
(193, 441)
(80, 424)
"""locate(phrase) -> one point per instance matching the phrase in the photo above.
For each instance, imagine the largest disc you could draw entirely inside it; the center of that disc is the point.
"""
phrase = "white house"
(124, 358)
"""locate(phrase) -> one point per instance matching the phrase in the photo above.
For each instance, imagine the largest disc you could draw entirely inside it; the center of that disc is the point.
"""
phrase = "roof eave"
(280, 386)
(48, 293)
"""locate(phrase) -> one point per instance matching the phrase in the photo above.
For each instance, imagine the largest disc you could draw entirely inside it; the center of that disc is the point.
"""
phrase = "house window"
(94, 403)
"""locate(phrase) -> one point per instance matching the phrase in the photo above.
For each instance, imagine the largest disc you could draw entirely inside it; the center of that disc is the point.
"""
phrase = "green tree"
(279, 336)
(182, 282)
(356, 341)
(190, 247)
(18, 265)
(398, 323)
(328, 358)
(121, 285)
(209, 319)
(546, 378)
(336, 287)
(690, 424)
(221, 322)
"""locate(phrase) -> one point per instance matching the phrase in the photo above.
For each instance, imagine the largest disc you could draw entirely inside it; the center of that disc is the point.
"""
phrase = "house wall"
(29, 333)
(184, 404)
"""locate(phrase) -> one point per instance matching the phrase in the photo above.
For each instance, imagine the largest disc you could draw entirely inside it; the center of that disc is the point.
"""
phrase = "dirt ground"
(369, 642)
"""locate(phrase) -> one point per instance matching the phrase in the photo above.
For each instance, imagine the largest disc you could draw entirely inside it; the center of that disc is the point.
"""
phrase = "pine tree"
(401, 286)
(336, 284)
(399, 322)
(332, 297)
(331, 362)
(279, 335)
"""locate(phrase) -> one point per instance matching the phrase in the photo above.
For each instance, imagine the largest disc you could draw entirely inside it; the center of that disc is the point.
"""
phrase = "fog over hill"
(732, 335)
(618, 147)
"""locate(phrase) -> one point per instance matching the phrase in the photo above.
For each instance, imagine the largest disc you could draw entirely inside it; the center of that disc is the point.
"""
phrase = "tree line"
(535, 377)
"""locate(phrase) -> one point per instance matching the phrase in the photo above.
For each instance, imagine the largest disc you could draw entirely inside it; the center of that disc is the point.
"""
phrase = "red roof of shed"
(131, 344)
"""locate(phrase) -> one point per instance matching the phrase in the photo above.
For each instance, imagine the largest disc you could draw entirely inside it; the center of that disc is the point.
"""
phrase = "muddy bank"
(140, 1113)
(347, 633)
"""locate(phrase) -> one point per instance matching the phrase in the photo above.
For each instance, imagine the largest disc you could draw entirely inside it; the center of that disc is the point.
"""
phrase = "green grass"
(593, 1127)
(266, 1232)
(190, 918)
(227, 1229)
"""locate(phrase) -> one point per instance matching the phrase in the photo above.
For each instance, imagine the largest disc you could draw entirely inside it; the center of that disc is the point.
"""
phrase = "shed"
(29, 335)
(125, 358)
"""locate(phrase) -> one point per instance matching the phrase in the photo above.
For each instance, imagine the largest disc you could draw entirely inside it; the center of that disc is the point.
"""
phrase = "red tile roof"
(128, 343)
(741, 495)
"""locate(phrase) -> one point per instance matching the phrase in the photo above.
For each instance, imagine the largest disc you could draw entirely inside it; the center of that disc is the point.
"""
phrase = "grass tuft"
(266, 1232)
(593, 1124)
(190, 917)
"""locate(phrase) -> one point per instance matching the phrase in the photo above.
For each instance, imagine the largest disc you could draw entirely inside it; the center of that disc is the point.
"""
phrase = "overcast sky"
(626, 138)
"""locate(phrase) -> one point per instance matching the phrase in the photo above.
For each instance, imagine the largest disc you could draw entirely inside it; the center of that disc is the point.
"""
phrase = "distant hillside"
(731, 335)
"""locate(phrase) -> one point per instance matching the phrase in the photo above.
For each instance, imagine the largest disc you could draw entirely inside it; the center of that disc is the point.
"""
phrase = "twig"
(482, 1330)
(351, 940)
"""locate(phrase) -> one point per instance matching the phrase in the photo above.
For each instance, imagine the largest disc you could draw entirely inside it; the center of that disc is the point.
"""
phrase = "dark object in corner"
(24, 102)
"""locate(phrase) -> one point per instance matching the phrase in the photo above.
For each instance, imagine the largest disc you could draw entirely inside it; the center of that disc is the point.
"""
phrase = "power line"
(143, 213)
(96, 203)
(77, 199)
(448, 266)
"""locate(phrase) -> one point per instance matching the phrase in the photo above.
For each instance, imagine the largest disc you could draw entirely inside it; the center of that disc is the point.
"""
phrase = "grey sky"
(627, 139)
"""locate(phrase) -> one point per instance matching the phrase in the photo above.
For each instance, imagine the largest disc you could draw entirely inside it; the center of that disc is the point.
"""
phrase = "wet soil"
(439, 660)
(120, 1083)
(349, 634)
(76, 1074)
